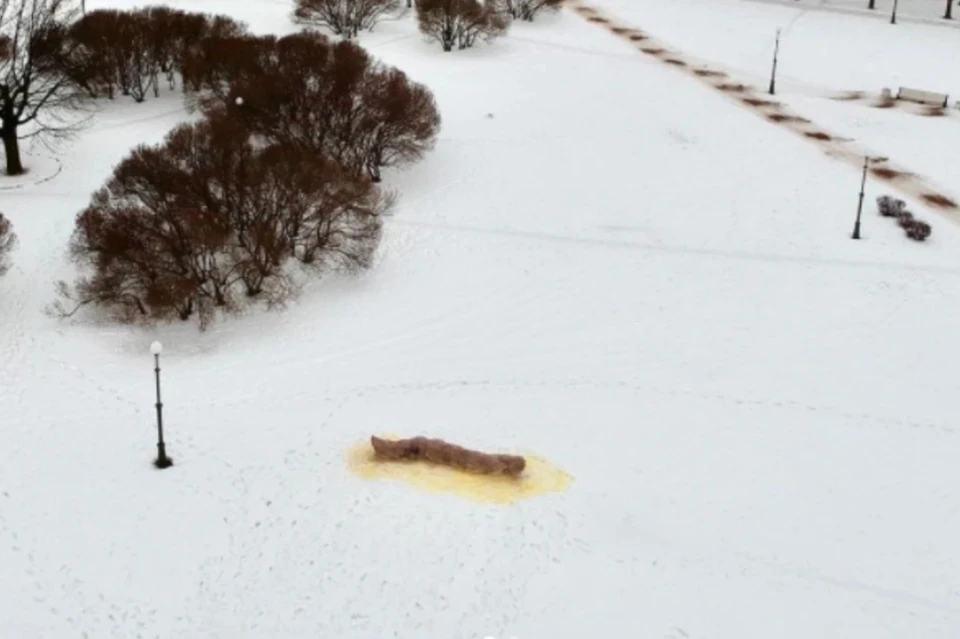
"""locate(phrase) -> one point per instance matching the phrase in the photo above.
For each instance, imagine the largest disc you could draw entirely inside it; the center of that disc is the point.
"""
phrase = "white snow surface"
(621, 271)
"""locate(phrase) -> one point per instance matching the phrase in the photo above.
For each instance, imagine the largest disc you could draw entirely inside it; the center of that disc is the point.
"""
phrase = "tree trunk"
(949, 13)
(11, 149)
(872, 5)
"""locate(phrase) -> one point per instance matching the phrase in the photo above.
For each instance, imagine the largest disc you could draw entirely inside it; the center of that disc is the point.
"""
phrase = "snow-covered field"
(620, 271)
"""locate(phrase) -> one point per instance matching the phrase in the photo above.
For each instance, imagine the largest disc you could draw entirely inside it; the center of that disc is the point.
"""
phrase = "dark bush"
(528, 9)
(331, 99)
(889, 206)
(344, 17)
(8, 241)
(208, 220)
(917, 230)
(460, 22)
(905, 219)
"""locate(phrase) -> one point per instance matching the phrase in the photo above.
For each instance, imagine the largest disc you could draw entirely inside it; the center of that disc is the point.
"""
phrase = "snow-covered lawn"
(604, 263)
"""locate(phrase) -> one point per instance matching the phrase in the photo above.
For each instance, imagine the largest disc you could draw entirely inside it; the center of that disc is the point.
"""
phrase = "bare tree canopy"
(37, 87)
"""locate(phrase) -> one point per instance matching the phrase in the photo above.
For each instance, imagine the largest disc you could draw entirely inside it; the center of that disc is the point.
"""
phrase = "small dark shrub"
(904, 219)
(918, 231)
(890, 206)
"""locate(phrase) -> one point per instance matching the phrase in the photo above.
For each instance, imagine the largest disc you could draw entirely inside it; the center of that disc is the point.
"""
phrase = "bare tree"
(460, 22)
(8, 241)
(344, 17)
(37, 85)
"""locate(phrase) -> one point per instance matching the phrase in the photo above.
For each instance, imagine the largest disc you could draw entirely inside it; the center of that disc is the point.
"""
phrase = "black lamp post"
(863, 185)
(162, 460)
(893, 16)
(773, 71)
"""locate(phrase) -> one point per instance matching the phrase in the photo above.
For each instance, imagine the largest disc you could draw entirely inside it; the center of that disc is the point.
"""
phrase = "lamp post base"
(856, 232)
(162, 461)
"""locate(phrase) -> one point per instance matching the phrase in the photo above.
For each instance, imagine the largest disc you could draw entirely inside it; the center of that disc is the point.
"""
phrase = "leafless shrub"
(460, 23)
(528, 9)
(208, 219)
(330, 99)
(344, 17)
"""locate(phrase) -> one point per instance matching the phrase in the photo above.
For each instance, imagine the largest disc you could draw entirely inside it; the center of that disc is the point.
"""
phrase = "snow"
(621, 272)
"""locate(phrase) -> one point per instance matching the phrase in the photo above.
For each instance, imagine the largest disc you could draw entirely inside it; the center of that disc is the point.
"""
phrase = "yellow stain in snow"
(540, 476)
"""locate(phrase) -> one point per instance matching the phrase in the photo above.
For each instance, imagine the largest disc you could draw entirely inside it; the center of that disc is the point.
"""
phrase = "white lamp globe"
(156, 348)
(239, 101)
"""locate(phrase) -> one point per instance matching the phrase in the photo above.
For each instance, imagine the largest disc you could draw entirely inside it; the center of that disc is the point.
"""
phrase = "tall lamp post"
(893, 15)
(162, 460)
(773, 71)
(867, 160)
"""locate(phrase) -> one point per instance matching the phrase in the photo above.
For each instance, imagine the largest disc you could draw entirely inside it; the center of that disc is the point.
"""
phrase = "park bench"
(922, 97)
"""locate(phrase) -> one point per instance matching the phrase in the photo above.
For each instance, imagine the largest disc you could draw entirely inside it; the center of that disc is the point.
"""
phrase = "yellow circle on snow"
(540, 476)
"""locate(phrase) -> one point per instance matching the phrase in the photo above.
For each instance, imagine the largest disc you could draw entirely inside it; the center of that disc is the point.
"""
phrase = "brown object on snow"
(437, 451)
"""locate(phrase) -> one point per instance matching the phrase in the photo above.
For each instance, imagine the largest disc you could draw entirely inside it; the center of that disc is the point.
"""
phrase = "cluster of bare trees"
(278, 174)
(345, 17)
(331, 99)
(211, 218)
(128, 52)
(8, 241)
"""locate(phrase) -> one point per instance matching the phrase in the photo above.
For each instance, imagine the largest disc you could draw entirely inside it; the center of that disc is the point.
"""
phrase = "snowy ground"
(620, 271)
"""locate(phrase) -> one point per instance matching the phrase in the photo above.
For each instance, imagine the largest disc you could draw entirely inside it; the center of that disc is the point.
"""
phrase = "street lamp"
(893, 16)
(773, 71)
(863, 185)
(162, 460)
